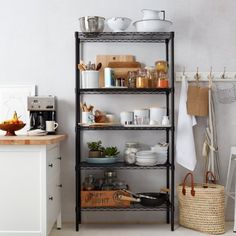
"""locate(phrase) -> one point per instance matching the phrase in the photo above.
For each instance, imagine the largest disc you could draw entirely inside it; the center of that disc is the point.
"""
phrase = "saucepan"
(150, 199)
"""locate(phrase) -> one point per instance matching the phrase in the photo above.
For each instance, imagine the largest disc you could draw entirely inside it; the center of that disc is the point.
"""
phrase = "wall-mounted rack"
(217, 76)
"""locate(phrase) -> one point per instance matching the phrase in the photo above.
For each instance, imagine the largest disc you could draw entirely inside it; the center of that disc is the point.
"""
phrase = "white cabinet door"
(20, 191)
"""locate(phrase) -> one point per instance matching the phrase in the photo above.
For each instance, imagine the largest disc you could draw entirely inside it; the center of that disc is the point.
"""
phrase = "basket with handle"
(201, 205)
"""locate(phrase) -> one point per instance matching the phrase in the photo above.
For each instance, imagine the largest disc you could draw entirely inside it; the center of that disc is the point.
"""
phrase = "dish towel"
(185, 147)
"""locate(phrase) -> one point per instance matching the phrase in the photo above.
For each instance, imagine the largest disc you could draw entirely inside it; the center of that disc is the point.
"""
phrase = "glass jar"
(163, 81)
(109, 180)
(132, 79)
(89, 183)
(142, 79)
(161, 66)
(151, 73)
(130, 153)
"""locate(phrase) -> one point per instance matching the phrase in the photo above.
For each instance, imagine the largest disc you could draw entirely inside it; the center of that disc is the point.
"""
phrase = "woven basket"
(201, 206)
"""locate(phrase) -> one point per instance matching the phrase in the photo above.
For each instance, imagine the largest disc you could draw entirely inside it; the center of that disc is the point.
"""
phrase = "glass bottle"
(161, 66)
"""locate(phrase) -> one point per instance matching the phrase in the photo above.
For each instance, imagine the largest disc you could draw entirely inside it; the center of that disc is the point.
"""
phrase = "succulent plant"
(111, 151)
(95, 146)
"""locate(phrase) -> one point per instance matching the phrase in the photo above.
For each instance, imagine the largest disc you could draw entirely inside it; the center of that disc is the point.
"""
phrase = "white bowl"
(152, 25)
(118, 24)
(152, 14)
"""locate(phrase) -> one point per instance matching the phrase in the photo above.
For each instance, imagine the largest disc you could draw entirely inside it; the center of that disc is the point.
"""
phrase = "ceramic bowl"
(11, 128)
(152, 25)
(118, 24)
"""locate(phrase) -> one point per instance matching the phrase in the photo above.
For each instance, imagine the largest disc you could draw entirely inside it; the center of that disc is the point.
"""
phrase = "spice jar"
(130, 152)
(142, 79)
(89, 183)
(151, 74)
(162, 80)
(132, 79)
(161, 66)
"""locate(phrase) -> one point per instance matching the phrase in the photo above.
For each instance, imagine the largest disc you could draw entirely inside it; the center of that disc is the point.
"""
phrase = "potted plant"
(110, 152)
(95, 149)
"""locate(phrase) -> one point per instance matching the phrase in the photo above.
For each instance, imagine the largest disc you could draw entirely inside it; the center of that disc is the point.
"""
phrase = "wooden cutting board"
(105, 59)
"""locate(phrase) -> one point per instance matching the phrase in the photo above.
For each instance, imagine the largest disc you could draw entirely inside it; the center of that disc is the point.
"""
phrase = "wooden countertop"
(31, 140)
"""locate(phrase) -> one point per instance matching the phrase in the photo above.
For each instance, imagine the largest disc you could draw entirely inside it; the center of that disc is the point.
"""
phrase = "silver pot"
(92, 24)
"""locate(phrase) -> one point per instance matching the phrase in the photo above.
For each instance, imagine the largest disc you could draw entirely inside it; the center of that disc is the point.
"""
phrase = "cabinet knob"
(50, 165)
(50, 198)
(59, 158)
(59, 185)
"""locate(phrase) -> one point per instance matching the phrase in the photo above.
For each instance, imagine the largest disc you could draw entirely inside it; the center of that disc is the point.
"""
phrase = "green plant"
(95, 146)
(111, 151)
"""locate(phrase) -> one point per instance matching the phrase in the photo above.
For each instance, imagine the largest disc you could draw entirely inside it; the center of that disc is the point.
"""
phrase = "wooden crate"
(103, 199)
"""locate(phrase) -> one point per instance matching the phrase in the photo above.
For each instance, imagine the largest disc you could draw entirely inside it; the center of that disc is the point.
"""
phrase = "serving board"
(105, 59)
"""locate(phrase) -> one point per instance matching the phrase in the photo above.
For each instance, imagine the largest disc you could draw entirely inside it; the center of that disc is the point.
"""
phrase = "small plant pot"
(95, 154)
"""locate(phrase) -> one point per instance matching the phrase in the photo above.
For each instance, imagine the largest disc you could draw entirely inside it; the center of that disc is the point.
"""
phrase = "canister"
(156, 114)
(126, 117)
(109, 76)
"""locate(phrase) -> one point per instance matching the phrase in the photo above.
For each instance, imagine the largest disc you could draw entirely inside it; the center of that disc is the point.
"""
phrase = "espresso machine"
(41, 109)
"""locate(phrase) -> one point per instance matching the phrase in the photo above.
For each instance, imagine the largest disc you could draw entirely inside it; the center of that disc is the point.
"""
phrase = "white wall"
(37, 47)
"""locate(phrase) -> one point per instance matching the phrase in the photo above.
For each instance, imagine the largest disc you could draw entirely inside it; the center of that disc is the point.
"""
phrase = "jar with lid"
(132, 79)
(142, 79)
(89, 183)
(162, 80)
(161, 66)
(109, 180)
(151, 74)
(130, 152)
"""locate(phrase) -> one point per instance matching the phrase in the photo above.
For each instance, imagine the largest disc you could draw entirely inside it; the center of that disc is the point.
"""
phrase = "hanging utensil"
(99, 65)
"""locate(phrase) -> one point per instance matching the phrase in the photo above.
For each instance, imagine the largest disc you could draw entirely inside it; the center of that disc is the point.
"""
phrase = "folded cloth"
(185, 147)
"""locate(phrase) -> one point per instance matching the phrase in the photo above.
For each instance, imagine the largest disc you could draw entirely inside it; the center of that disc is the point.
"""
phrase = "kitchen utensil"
(159, 199)
(152, 25)
(11, 128)
(152, 14)
(139, 195)
(105, 59)
(81, 67)
(99, 65)
(118, 24)
(92, 24)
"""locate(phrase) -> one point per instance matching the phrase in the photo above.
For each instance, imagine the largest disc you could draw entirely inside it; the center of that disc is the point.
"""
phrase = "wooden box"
(103, 199)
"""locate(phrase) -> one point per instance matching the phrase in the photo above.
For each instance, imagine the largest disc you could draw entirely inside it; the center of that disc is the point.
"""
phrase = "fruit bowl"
(11, 128)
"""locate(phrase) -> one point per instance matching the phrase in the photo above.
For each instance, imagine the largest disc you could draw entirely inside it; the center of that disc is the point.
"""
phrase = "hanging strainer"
(226, 93)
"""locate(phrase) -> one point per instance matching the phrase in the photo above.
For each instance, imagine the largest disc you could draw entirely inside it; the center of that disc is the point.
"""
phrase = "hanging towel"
(185, 147)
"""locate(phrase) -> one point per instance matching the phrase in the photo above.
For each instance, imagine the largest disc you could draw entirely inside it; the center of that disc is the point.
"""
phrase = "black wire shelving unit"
(166, 38)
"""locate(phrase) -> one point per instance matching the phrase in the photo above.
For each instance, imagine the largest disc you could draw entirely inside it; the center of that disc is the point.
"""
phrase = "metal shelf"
(142, 37)
(120, 127)
(125, 91)
(133, 207)
(119, 165)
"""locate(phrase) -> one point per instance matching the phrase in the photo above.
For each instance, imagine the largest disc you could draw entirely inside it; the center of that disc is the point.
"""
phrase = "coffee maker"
(41, 109)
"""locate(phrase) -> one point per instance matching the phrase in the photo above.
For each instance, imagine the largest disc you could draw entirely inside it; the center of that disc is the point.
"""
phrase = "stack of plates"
(161, 153)
(146, 158)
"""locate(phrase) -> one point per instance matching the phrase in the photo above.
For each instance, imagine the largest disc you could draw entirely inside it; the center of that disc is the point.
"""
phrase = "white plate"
(146, 164)
(115, 87)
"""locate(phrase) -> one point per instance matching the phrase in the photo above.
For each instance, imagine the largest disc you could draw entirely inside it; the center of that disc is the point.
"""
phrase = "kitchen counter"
(30, 199)
(31, 140)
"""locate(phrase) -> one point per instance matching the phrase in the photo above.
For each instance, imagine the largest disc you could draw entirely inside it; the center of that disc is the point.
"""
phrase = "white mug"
(51, 125)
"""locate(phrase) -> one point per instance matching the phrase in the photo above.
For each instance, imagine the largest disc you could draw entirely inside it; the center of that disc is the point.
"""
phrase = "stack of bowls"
(146, 158)
(153, 22)
(161, 153)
